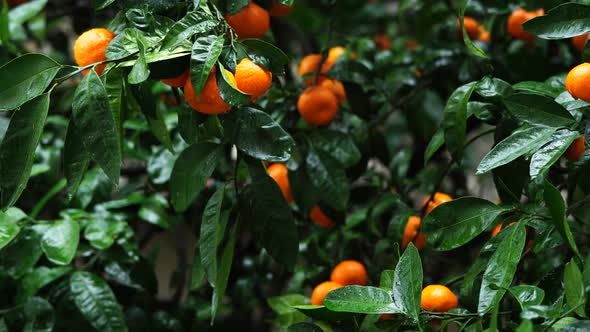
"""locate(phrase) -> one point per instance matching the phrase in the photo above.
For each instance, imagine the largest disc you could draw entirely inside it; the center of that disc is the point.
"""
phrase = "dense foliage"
(124, 209)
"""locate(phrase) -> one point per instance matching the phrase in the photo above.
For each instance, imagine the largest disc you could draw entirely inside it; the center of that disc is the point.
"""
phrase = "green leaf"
(233, 7)
(407, 287)
(387, 279)
(320, 312)
(266, 55)
(22, 253)
(76, 159)
(17, 149)
(545, 157)
(114, 85)
(188, 123)
(191, 24)
(539, 88)
(37, 279)
(256, 134)
(329, 178)
(492, 87)
(26, 11)
(140, 71)
(574, 288)
(205, 52)
(223, 272)
(229, 92)
(527, 295)
(266, 212)
(212, 231)
(97, 303)
(454, 121)
(454, 223)
(501, 268)
(60, 241)
(283, 307)
(153, 115)
(39, 315)
(93, 117)
(9, 228)
(25, 78)
(436, 142)
(514, 146)
(472, 48)
(102, 232)
(564, 21)
(556, 206)
(361, 299)
(338, 145)
(538, 110)
(197, 270)
(581, 326)
(191, 171)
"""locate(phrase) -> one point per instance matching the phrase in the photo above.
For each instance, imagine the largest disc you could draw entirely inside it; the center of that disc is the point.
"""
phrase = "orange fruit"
(90, 48)
(337, 88)
(321, 290)
(438, 199)
(515, 21)
(250, 22)
(576, 149)
(318, 105)
(209, 102)
(252, 78)
(382, 41)
(438, 298)
(484, 34)
(177, 82)
(471, 26)
(411, 233)
(278, 9)
(580, 41)
(319, 218)
(349, 272)
(309, 65)
(278, 172)
(333, 55)
(577, 82)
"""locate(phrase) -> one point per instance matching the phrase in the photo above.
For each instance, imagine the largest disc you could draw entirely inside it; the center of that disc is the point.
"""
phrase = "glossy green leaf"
(320, 312)
(501, 268)
(361, 299)
(37, 279)
(17, 149)
(102, 232)
(556, 206)
(191, 171)
(265, 211)
(191, 24)
(22, 253)
(436, 142)
(233, 7)
(564, 21)
(266, 55)
(472, 48)
(205, 52)
(39, 315)
(197, 270)
(60, 241)
(140, 71)
(338, 145)
(93, 117)
(222, 274)
(492, 87)
(575, 294)
(527, 295)
(76, 159)
(283, 307)
(9, 228)
(212, 231)
(514, 146)
(256, 134)
(538, 110)
(453, 224)
(407, 287)
(97, 303)
(25, 78)
(230, 93)
(581, 326)
(545, 157)
(454, 121)
(539, 88)
(329, 178)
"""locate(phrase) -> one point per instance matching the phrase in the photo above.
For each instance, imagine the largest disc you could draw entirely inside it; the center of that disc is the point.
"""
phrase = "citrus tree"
(294, 165)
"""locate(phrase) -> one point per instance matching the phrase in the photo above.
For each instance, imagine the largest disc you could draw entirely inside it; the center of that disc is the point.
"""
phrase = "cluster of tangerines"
(319, 103)
(436, 298)
(250, 22)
